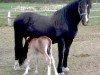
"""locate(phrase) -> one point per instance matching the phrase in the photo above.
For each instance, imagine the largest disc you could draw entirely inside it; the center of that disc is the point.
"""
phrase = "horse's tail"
(20, 53)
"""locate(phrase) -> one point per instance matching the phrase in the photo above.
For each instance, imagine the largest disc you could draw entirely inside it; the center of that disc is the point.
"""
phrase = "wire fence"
(8, 16)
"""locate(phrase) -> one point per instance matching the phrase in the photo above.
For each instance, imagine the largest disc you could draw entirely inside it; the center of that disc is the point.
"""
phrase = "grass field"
(84, 57)
(7, 6)
(42, 6)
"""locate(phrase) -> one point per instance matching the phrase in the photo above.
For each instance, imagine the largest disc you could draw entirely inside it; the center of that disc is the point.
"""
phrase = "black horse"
(61, 27)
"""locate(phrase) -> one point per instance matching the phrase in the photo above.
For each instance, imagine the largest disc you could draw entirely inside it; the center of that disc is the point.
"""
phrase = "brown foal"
(41, 45)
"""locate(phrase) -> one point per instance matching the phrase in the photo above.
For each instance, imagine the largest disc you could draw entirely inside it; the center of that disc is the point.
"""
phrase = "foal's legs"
(49, 69)
(27, 66)
(27, 62)
(36, 63)
(48, 59)
(53, 63)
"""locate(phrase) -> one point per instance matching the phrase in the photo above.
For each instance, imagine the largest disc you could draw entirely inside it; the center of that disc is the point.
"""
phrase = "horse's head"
(84, 10)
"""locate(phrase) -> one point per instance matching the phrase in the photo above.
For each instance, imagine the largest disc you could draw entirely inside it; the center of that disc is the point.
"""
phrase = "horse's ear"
(90, 3)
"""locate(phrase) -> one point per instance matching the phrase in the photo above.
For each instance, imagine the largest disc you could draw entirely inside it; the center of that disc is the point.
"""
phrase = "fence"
(10, 16)
(8, 19)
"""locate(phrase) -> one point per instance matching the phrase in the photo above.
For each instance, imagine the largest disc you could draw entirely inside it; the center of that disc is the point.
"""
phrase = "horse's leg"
(16, 65)
(60, 55)
(18, 50)
(68, 43)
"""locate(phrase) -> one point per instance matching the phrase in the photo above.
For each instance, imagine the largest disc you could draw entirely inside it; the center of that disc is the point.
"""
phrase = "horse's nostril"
(88, 21)
(84, 22)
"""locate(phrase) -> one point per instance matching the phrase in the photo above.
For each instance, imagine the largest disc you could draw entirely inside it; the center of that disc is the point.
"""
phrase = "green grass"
(39, 6)
(3, 22)
(95, 13)
(95, 21)
(7, 6)
(96, 6)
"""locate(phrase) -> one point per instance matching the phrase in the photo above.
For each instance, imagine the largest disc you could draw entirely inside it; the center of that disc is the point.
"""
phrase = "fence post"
(9, 18)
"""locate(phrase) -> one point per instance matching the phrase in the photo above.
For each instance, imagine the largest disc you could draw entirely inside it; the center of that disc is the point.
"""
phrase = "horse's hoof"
(61, 73)
(36, 72)
(17, 68)
(25, 74)
(65, 69)
(29, 68)
(56, 73)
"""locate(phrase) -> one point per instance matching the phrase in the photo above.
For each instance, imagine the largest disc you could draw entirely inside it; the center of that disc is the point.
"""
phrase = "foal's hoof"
(65, 69)
(61, 73)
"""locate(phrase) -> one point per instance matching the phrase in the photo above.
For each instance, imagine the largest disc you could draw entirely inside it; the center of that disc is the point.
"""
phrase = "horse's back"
(30, 17)
(32, 24)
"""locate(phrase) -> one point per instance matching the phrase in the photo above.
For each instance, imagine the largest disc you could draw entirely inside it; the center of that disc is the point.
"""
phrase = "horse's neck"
(72, 13)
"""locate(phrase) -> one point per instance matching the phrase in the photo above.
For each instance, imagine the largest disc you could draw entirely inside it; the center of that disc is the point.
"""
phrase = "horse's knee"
(61, 56)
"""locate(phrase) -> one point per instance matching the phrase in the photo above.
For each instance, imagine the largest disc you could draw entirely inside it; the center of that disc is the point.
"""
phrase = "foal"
(41, 45)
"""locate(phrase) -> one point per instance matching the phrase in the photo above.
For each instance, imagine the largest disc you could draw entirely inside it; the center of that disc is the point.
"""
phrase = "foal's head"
(84, 10)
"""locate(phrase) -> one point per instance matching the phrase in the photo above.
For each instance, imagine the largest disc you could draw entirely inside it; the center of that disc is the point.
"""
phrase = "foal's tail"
(49, 51)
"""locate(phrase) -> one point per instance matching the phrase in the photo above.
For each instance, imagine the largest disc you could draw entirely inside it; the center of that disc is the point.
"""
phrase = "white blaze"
(86, 16)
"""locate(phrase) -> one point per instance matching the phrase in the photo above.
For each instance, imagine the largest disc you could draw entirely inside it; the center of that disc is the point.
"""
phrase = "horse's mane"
(59, 16)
